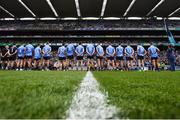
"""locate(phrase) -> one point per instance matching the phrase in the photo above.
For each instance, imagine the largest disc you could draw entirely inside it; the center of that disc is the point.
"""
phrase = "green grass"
(37, 94)
(143, 94)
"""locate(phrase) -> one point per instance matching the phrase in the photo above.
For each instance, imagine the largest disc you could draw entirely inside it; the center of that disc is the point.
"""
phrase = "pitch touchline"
(89, 102)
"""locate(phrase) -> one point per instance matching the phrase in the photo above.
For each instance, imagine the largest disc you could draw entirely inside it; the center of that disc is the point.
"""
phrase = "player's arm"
(107, 51)
(158, 50)
(33, 50)
(145, 52)
(114, 52)
(125, 53)
(133, 55)
(43, 51)
(82, 51)
(58, 51)
(94, 51)
(87, 50)
(13, 53)
(65, 51)
(148, 54)
(76, 51)
(7, 53)
(137, 50)
(49, 52)
(103, 53)
(25, 50)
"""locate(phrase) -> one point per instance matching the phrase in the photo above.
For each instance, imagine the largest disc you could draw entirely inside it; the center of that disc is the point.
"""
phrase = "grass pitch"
(143, 94)
(37, 94)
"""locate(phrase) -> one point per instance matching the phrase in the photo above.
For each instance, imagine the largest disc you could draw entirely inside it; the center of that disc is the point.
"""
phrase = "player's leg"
(64, 63)
(43, 63)
(122, 64)
(81, 62)
(24, 62)
(139, 63)
(98, 63)
(35, 66)
(77, 62)
(143, 62)
(108, 64)
(102, 63)
(61, 64)
(48, 63)
(21, 63)
(30, 63)
(153, 64)
(117, 63)
(39, 64)
(67, 62)
(113, 64)
(157, 63)
(7, 63)
(12, 64)
(17, 64)
(88, 63)
(92, 64)
(127, 64)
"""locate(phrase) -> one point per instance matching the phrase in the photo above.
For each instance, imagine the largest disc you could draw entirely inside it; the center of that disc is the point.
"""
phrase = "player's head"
(139, 44)
(128, 43)
(47, 43)
(151, 43)
(14, 44)
(80, 43)
(62, 44)
(7, 46)
(170, 45)
(38, 45)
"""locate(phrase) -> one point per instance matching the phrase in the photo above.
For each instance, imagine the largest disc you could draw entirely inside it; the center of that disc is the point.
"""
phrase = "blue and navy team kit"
(47, 52)
(112, 53)
(153, 52)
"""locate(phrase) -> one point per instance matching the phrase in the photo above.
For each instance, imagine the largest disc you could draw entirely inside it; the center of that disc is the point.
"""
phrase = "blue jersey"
(119, 51)
(47, 51)
(100, 50)
(90, 49)
(110, 50)
(29, 50)
(140, 50)
(153, 51)
(79, 50)
(129, 51)
(37, 53)
(70, 49)
(21, 51)
(62, 51)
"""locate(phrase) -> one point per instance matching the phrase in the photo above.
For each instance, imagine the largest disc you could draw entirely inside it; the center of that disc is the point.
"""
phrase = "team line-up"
(70, 56)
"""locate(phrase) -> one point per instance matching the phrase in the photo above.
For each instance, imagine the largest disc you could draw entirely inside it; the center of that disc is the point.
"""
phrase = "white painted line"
(90, 103)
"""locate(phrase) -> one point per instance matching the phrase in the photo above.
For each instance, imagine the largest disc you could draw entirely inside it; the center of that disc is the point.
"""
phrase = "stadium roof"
(72, 9)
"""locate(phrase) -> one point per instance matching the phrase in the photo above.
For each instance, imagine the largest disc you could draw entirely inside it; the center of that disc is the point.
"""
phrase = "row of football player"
(25, 55)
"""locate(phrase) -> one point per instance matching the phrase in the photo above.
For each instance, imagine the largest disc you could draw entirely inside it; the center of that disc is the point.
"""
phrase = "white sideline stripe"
(89, 102)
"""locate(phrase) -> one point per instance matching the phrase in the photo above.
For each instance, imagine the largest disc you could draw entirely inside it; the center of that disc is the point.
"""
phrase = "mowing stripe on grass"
(89, 102)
